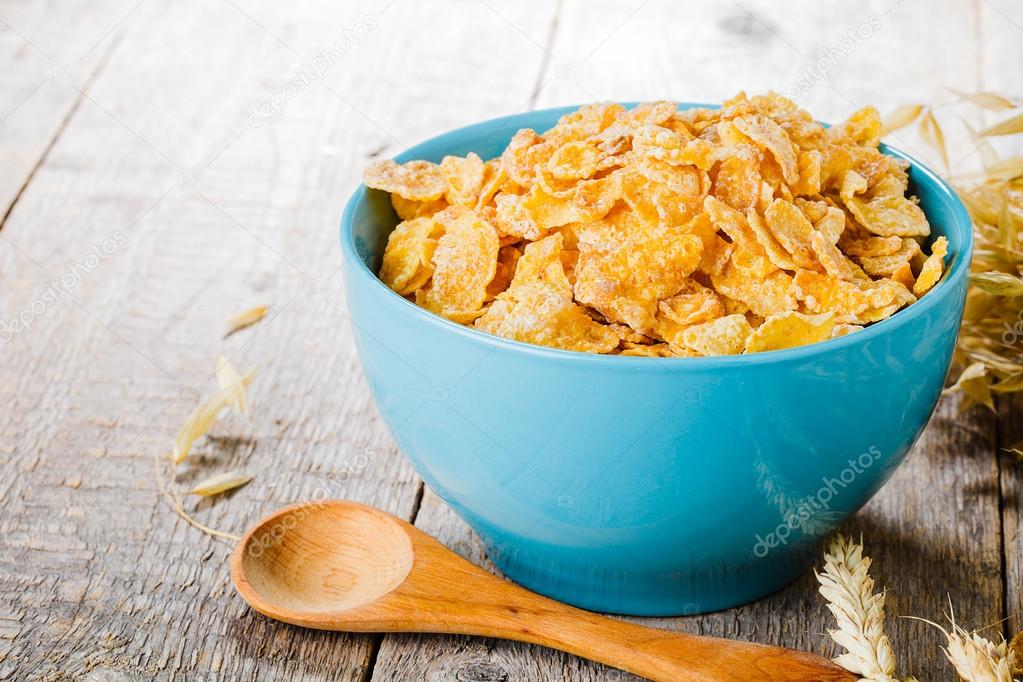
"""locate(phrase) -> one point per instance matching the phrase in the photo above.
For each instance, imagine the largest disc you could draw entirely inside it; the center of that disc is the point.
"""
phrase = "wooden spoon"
(339, 565)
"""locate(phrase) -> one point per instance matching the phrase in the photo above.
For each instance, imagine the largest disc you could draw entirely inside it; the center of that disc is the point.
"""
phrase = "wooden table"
(166, 165)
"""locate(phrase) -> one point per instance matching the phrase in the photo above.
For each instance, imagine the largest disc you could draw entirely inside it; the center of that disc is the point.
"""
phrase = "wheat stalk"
(978, 659)
(859, 611)
(975, 658)
(849, 590)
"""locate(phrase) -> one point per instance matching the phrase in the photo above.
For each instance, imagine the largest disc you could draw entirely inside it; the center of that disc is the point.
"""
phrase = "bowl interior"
(369, 217)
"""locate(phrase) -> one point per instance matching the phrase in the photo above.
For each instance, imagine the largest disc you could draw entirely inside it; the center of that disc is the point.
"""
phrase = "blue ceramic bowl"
(640, 485)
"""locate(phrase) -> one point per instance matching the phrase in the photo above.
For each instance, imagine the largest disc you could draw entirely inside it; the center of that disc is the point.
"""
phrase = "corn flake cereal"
(464, 263)
(723, 336)
(538, 308)
(932, 268)
(464, 178)
(415, 180)
(654, 232)
(790, 329)
(408, 256)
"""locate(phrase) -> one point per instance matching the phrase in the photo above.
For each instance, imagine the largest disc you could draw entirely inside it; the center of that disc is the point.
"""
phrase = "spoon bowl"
(342, 558)
(339, 565)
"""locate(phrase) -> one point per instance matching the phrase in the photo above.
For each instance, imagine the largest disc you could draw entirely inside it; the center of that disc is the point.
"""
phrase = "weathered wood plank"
(93, 389)
(225, 184)
(1002, 41)
(1011, 491)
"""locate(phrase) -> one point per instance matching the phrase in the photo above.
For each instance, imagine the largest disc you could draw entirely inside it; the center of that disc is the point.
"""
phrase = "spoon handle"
(449, 594)
(666, 656)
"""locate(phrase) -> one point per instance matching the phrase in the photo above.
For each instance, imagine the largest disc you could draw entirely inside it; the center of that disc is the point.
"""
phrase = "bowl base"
(638, 593)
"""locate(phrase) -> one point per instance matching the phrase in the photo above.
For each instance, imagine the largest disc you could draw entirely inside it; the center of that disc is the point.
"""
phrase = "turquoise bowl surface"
(648, 486)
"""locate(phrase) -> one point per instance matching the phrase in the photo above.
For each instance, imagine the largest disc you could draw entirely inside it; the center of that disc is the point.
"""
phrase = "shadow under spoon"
(338, 565)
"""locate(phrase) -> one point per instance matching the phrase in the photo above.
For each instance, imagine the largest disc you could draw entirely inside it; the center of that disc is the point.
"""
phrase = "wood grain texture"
(215, 143)
(94, 389)
(47, 56)
(1011, 493)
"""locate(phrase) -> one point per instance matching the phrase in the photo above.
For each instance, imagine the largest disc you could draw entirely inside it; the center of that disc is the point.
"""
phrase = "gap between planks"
(62, 126)
(552, 35)
(378, 638)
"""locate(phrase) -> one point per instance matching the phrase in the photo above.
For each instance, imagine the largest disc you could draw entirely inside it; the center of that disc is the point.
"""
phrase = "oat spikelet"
(932, 134)
(232, 383)
(206, 414)
(987, 100)
(221, 483)
(900, 118)
(1010, 126)
(849, 590)
(246, 318)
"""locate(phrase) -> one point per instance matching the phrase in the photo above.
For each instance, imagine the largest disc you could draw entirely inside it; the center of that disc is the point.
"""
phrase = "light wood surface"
(149, 137)
(339, 565)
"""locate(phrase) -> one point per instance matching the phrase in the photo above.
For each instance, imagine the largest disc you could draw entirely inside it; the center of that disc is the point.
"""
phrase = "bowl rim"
(944, 288)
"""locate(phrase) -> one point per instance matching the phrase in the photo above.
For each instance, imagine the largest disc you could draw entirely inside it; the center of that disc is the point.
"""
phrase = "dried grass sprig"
(167, 490)
(230, 394)
(849, 590)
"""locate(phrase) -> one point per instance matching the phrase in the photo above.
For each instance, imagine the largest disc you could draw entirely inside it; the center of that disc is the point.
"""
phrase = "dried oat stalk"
(230, 394)
(989, 356)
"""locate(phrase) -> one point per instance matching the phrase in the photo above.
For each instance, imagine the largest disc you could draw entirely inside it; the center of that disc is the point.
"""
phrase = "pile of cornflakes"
(657, 232)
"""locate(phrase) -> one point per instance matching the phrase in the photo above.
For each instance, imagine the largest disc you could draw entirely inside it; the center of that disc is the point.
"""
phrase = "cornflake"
(655, 232)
